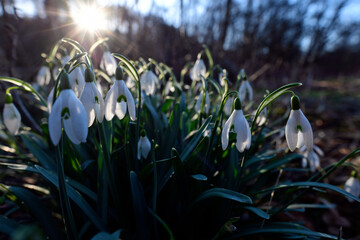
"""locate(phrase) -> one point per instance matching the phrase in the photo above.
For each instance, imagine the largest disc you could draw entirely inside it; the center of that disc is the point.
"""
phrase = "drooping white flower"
(108, 63)
(245, 89)
(119, 99)
(43, 77)
(198, 70)
(148, 82)
(198, 104)
(130, 83)
(241, 128)
(92, 99)
(298, 128)
(144, 146)
(11, 116)
(312, 157)
(352, 185)
(77, 81)
(169, 87)
(68, 113)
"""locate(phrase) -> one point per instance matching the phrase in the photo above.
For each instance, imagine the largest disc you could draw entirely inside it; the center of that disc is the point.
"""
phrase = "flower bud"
(295, 102)
(8, 98)
(119, 74)
(64, 81)
(89, 75)
(237, 104)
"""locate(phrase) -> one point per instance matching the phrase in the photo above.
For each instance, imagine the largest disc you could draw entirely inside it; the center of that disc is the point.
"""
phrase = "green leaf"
(312, 185)
(75, 196)
(41, 213)
(32, 143)
(199, 177)
(279, 230)
(167, 228)
(8, 226)
(271, 97)
(107, 236)
(258, 212)
(140, 207)
(225, 194)
(96, 44)
(195, 140)
(26, 87)
(129, 65)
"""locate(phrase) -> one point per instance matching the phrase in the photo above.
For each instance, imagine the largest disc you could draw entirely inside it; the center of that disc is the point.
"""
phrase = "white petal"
(120, 109)
(110, 101)
(352, 185)
(198, 103)
(76, 126)
(144, 147)
(77, 81)
(55, 127)
(12, 118)
(306, 130)
(207, 103)
(250, 90)
(43, 76)
(108, 63)
(88, 100)
(228, 105)
(139, 149)
(225, 132)
(242, 91)
(99, 104)
(242, 130)
(148, 83)
(300, 140)
(130, 103)
(291, 131)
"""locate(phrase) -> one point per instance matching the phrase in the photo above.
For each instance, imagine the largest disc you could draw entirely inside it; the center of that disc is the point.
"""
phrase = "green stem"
(68, 216)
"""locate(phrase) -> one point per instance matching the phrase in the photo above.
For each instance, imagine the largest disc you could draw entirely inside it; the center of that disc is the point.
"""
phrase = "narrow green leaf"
(8, 226)
(271, 97)
(140, 207)
(41, 213)
(258, 212)
(225, 194)
(312, 185)
(96, 44)
(167, 228)
(278, 230)
(75, 196)
(26, 87)
(129, 65)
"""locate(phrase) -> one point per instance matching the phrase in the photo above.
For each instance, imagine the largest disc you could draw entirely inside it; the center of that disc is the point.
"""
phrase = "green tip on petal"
(64, 81)
(119, 74)
(89, 75)
(295, 102)
(143, 133)
(237, 104)
(8, 98)
(354, 174)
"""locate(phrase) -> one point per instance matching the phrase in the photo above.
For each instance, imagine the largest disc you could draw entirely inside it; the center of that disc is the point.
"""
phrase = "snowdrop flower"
(241, 128)
(144, 146)
(11, 116)
(169, 87)
(118, 99)
(50, 99)
(298, 128)
(312, 157)
(130, 83)
(198, 104)
(222, 76)
(352, 185)
(77, 81)
(68, 112)
(108, 63)
(198, 70)
(245, 87)
(92, 99)
(148, 82)
(43, 77)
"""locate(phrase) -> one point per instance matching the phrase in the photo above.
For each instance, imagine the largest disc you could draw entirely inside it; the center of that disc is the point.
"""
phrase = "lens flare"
(89, 17)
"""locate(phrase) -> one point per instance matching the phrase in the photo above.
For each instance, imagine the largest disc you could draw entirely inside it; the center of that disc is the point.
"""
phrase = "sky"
(168, 9)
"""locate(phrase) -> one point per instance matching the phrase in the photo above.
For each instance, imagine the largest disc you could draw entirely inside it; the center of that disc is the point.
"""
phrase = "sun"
(89, 17)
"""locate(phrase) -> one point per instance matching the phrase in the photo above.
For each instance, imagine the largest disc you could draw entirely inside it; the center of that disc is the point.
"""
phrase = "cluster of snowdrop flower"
(80, 103)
